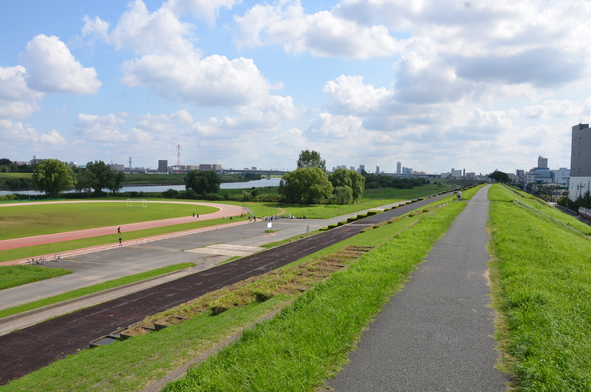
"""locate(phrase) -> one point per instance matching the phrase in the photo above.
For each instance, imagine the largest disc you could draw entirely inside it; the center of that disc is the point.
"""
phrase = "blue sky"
(434, 84)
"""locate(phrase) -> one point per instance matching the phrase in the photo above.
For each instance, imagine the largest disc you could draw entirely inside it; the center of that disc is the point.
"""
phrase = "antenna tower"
(178, 155)
(130, 163)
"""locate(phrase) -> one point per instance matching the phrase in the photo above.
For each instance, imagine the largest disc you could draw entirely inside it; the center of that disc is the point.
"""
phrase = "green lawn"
(322, 325)
(16, 275)
(48, 218)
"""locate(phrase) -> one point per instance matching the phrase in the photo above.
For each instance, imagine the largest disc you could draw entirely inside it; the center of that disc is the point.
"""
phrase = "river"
(162, 188)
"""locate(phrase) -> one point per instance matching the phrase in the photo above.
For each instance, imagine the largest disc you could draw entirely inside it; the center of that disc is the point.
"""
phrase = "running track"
(224, 210)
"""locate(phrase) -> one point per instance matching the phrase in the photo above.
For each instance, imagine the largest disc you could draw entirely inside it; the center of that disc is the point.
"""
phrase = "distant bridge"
(267, 173)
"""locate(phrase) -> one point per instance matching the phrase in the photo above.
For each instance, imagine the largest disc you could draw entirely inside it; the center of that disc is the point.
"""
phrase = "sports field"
(48, 218)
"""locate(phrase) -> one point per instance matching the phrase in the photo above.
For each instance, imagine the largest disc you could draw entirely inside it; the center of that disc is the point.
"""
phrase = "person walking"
(459, 195)
(119, 230)
(120, 241)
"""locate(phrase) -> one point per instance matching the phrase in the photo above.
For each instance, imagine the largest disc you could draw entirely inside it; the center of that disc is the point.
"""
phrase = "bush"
(269, 198)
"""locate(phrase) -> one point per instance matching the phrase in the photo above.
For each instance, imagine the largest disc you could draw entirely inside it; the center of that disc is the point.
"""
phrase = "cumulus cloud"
(16, 134)
(324, 33)
(212, 81)
(51, 68)
(205, 10)
(17, 100)
(348, 94)
(101, 128)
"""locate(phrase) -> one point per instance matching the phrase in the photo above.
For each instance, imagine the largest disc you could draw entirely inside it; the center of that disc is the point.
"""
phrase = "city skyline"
(436, 85)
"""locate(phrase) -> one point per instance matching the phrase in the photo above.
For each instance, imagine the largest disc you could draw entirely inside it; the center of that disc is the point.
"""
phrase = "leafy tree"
(102, 176)
(306, 186)
(349, 178)
(84, 180)
(53, 177)
(499, 176)
(116, 182)
(5, 161)
(311, 159)
(342, 195)
(203, 182)
(252, 176)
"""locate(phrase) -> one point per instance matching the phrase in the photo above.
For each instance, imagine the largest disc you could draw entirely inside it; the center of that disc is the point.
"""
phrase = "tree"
(53, 177)
(203, 182)
(499, 176)
(311, 159)
(306, 186)
(84, 180)
(116, 182)
(349, 178)
(102, 176)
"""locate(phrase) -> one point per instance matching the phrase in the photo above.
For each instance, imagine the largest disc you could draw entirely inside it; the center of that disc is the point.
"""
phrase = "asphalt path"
(436, 334)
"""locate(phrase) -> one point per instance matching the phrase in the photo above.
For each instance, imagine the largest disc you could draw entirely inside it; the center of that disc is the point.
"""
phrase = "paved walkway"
(223, 210)
(436, 334)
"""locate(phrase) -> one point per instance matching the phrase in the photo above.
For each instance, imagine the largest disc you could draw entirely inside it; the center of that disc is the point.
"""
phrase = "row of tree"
(53, 177)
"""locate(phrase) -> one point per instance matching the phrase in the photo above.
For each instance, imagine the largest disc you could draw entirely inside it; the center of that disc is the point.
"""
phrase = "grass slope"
(542, 275)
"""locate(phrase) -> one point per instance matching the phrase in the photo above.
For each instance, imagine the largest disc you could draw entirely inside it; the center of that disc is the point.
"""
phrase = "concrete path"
(436, 334)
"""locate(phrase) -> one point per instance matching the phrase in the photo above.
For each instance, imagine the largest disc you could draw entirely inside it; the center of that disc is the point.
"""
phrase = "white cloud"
(322, 34)
(17, 135)
(101, 128)
(349, 95)
(51, 68)
(562, 108)
(205, 10)
(212, 81)
(17, 100)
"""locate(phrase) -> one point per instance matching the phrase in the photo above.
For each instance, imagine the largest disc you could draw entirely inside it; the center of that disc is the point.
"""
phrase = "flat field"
(30, 220)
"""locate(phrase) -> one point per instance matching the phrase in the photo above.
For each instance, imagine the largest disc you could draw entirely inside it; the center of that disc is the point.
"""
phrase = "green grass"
(542, 275)
(92, 289)
(501, 193)
(16, 275)
(132, 364)
(48, 218)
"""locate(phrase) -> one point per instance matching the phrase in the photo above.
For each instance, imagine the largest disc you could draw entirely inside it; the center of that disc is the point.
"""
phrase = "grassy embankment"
(542, 285)
(321, 326)
(90, 289)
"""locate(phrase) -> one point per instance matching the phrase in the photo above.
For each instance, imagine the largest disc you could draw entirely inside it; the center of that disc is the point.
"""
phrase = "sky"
(436, 85)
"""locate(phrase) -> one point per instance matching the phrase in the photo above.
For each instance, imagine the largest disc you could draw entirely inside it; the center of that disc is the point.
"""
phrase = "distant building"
(580, 161)
(398, 167)
(377, 170)
(163, 166)
(35, 161)
(361, 168)
(542, 162)
(214, 167)
(456, 173)
(116, 167)
(520, 174)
